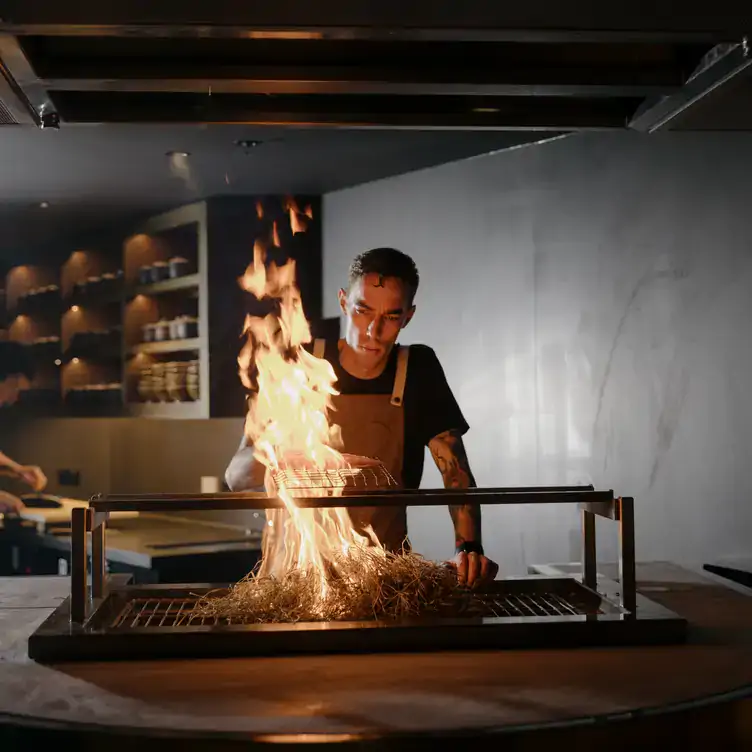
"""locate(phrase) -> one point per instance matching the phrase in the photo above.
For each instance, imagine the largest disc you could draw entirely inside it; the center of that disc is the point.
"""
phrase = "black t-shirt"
(429, 405)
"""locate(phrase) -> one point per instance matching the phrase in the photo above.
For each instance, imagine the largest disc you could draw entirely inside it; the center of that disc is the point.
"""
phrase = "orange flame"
(259, 210)
(288, 427)
(275, 235)
(298, 221)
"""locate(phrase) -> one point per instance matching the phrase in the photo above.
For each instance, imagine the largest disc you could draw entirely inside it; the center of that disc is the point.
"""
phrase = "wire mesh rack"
(297, 479)
(181, 612)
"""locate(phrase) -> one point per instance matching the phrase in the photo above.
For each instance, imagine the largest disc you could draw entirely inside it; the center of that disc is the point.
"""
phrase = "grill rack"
(156, 612)
(368, 477)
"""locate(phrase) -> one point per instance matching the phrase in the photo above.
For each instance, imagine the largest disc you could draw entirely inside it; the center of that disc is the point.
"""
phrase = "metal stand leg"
(80, 524)
(589, 562)
(98, 565)
(627, 568)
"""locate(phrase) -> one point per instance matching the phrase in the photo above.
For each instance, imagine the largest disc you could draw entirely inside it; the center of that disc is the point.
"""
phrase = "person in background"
(15, 374)
(391, 407)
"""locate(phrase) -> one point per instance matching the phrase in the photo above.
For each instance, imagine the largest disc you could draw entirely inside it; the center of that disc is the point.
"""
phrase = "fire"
(288, 426)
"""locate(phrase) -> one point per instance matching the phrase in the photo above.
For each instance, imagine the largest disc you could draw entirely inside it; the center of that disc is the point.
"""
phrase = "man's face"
(376, 309)
(10, 388)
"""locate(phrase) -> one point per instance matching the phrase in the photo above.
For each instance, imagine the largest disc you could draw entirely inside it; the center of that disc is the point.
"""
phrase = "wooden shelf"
(177, 410)
(168, 346)
(167, 285)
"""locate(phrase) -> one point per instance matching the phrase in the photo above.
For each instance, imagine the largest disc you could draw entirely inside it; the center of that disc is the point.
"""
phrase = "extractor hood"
(536, 66)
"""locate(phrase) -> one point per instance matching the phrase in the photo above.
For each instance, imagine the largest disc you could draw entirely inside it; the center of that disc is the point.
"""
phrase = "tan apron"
(373, 425)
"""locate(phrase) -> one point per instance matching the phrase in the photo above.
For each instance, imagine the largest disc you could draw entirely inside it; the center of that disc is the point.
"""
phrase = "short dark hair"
(386, 262)
(15, 360)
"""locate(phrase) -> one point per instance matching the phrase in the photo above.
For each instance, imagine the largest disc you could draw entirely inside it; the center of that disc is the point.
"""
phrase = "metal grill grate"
(178, 612)
(371, 476)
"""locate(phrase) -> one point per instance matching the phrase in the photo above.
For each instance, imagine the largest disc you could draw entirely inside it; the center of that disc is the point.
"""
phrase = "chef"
(15, 373)
(393, 402)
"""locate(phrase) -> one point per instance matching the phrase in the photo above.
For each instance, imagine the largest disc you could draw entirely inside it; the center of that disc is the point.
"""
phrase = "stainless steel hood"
(536, 66)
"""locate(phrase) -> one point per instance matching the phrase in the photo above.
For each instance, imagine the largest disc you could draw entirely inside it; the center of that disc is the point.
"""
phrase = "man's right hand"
(10, 504)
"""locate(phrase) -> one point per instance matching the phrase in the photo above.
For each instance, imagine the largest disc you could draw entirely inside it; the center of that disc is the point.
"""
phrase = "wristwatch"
(469, 547)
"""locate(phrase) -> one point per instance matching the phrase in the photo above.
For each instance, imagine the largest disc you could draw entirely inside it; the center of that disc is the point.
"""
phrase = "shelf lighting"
(75, 360)
(58, 362)
(75, 309)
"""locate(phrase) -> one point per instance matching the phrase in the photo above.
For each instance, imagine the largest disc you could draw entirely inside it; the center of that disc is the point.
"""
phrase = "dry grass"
(366, 584)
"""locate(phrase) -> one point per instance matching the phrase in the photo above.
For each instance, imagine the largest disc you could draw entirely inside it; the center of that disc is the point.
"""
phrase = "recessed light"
(44, 205)
(178, 154)
(75, 360)
(485, 109)
(75, 309)
(58, 362)
(248, 143)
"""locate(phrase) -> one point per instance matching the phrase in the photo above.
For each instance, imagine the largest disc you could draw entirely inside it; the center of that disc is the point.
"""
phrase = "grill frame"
(79, 628)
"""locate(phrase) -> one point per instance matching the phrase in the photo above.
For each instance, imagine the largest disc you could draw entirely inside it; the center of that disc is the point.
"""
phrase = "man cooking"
(15, 373)
(393, 402)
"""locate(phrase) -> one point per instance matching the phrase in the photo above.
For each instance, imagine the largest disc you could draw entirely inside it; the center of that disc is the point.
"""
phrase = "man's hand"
(33, 476)
(10, 504)
(473, 569)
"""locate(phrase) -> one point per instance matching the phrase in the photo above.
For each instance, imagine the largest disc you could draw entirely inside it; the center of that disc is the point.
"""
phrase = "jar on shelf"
(160, 270)
(144, 275)
(147, 332)
(179, 267)
(162, 331)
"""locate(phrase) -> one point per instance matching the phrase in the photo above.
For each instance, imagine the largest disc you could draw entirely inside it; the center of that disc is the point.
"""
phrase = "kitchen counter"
(623, 695)
(167, 546)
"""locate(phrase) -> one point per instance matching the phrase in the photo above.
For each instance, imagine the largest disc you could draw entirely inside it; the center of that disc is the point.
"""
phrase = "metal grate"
(370, 476)
(178, 612)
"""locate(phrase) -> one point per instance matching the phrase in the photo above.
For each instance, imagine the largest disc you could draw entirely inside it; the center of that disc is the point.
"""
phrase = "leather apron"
(373, 425)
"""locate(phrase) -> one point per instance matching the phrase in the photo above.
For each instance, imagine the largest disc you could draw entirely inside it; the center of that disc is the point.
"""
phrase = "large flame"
(287, 424)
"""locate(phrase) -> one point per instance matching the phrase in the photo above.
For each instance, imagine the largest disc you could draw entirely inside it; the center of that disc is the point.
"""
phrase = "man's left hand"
(474, 569)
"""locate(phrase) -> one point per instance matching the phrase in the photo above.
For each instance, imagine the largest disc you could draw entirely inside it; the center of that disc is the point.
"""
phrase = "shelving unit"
(106, 356)
(182, 234)
(91, 284)
(33, 313)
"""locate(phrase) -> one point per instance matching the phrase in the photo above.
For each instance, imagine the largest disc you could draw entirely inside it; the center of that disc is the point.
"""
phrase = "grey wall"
(590, 300)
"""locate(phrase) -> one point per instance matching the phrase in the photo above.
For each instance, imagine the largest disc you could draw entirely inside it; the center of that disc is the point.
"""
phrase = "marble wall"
(590, 300)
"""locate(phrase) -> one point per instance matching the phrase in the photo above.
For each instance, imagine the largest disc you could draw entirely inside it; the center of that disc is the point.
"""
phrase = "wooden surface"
(389, 694)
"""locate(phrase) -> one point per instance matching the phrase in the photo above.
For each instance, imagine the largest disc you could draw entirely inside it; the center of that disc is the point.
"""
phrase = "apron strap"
(319, 346)
(400, 379)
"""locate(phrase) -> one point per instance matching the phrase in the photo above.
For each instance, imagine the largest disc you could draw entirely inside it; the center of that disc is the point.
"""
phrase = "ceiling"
(99, 175)
(338, 93)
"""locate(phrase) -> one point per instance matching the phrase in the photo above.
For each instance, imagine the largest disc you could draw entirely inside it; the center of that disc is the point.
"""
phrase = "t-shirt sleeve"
(435, 407)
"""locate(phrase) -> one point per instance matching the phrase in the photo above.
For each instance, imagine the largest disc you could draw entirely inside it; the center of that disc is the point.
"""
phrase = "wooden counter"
(681, 694)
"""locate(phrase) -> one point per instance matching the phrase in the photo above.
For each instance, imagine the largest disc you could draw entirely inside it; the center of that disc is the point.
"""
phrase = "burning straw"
(366, 583)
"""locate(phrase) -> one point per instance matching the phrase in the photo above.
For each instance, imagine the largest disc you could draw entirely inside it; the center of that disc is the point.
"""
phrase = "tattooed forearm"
(450, 457)
(448, 451)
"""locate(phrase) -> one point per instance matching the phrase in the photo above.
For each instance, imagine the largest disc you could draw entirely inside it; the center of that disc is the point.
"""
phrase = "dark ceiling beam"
(537, 20)
(655, 115)
(426, 113)
(508, 80)
(28, 91)
(346, 85)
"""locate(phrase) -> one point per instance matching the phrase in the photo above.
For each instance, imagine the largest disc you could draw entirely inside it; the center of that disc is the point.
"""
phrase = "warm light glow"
(75, 360)
(75, 309)
(288, 426)
(58, 362)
